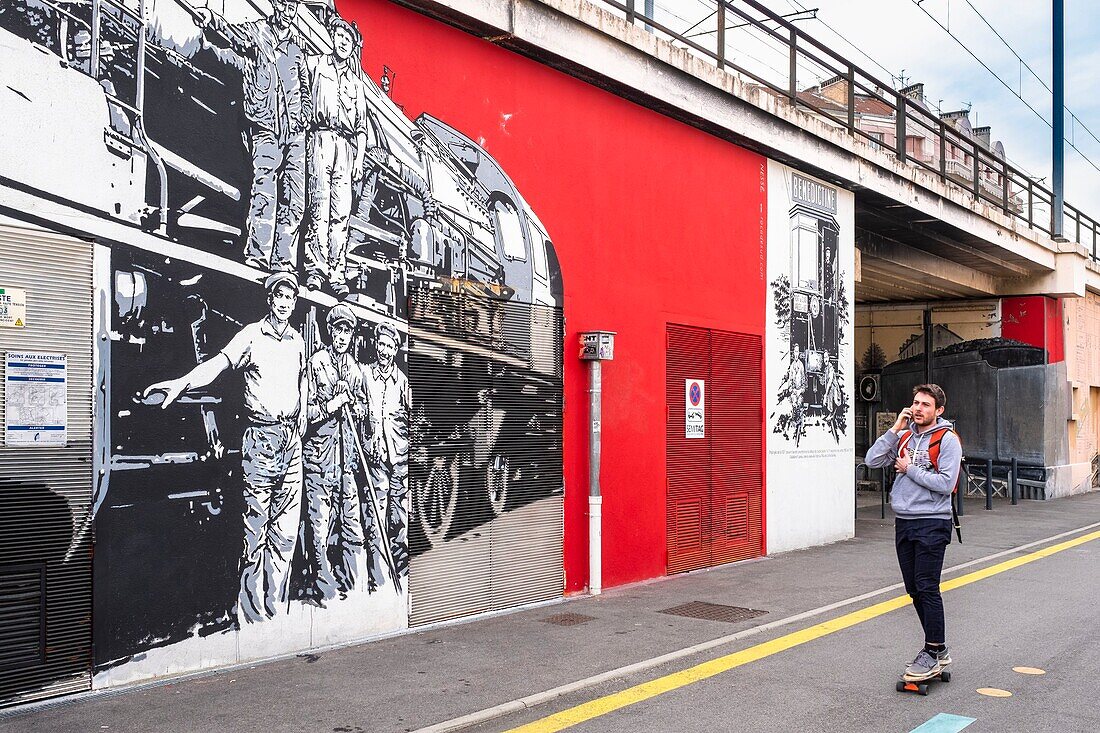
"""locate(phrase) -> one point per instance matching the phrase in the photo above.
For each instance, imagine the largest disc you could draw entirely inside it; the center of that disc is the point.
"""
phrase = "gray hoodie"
(922, 492)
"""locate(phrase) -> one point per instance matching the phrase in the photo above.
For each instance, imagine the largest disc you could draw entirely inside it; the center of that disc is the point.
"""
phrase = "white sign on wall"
(36, 404)
(13, 307)
(695, 406)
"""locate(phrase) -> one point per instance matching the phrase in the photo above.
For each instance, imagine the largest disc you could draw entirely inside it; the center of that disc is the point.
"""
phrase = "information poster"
(36, 404)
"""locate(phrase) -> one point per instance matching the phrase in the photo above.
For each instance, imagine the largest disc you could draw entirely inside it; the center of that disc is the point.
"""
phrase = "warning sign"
(695, 405)
(13, 307)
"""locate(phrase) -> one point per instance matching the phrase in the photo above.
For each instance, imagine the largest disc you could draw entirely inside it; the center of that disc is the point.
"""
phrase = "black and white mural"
(811, 250)
(266, 214)
(812, 310)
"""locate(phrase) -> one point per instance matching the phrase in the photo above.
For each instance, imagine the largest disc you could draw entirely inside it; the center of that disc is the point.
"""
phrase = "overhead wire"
(894, 78)
(1077, 120)
(1004, 83)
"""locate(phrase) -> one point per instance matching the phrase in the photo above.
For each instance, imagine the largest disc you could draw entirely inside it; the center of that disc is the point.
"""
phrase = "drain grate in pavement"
(568, 619)
(714, 612)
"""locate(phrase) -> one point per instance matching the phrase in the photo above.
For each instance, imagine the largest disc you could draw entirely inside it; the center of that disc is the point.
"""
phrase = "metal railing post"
(851, 99)
(961, 494)
(943, 149)
(988, 483)
(792, 75)
(721, 33)
(899, 130)
(1004, 184)
(1014, 482)
(1030, 202)
(977, 172)
(630, 14)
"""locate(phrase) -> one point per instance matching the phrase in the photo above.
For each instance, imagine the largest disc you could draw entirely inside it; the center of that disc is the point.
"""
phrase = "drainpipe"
(596, 346)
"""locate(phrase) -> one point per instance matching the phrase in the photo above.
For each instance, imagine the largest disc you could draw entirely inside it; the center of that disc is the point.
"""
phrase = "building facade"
(313, 279)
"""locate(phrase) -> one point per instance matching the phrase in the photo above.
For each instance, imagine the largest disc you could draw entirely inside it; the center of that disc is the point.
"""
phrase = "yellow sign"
(13, 307)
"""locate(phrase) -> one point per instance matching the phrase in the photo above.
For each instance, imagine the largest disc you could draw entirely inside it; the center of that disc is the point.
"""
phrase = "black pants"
(921, 544)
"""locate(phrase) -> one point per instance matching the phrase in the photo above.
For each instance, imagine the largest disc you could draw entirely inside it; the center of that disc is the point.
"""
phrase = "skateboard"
(921, 687)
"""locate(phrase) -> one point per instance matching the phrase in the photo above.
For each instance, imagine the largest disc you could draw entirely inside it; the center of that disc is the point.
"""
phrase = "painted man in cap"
(337, 401)
(337, 145)
(271, 356)
(388, 454)
(277, 107)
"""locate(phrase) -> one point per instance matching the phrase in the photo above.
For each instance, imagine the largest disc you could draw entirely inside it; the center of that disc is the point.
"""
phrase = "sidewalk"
(419, 679)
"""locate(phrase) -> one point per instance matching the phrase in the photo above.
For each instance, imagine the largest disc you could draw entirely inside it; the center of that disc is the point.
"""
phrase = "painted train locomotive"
(124, 123)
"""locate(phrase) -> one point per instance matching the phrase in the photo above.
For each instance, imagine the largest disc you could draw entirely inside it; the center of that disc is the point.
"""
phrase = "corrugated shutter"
(687, 460)
(45, 493)
(715, 484)
(485, 477)
(735, 415)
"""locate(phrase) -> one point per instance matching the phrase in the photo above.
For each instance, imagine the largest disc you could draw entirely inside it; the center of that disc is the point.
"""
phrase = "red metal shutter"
(735, 422)
(687, 460)
(715, 484)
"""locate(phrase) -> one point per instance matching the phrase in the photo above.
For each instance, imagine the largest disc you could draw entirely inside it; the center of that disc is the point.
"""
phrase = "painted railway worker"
(795, 382)
(388, 454)
(277, 106)
(926, 453)
(271, 355)
(337, 401)
(337, 146)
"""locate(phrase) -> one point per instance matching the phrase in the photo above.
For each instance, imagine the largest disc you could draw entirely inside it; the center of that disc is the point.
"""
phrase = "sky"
(901, 37)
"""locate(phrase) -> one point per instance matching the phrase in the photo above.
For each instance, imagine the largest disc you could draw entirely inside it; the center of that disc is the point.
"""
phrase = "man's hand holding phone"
(902, 423)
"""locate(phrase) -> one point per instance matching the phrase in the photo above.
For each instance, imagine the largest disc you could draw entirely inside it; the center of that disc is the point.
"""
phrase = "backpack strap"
(943, 431)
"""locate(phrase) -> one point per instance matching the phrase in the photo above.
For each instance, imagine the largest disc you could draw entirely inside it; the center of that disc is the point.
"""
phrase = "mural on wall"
(809, 360)
(271, 213)
(812, 312)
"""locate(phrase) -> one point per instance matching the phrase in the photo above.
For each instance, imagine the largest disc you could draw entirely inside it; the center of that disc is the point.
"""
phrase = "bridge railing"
(922, 138)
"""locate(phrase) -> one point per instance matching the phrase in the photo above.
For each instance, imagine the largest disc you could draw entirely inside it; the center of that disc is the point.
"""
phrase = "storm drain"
(568, 619)
(714, 612)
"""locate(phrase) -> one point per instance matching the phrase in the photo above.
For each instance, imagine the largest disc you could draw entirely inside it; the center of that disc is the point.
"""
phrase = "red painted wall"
(653, 222)
(1035, 320)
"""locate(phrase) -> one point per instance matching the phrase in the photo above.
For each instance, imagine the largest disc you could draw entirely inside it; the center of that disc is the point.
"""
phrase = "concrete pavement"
(1042, 614)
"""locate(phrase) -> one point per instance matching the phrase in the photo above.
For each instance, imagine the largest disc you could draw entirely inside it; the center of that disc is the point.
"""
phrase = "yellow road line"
(638, 693)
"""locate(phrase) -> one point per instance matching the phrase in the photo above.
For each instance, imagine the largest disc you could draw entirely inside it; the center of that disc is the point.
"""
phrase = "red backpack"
(938, 434)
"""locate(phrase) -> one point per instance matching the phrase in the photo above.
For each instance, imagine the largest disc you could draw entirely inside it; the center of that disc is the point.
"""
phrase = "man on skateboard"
(926, 453)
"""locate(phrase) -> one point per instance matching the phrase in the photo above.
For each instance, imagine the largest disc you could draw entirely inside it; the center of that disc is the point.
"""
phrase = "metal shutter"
(736, 420)
(687, 460)
(486, 465)
(714, 484)
(45, 493)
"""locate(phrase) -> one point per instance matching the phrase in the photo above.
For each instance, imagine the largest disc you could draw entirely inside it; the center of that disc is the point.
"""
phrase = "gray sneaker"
(923, 667)
(943, 657)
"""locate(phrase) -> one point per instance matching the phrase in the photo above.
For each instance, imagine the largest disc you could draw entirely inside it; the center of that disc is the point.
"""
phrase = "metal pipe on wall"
(595, 501)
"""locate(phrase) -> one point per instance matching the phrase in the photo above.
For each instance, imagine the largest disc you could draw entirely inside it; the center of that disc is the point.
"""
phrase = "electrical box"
(597, 345)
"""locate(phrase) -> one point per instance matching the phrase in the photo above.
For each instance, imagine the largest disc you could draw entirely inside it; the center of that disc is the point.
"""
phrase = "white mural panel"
(809, 361)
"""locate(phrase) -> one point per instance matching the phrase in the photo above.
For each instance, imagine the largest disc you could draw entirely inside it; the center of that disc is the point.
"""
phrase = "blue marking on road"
(944, 723)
